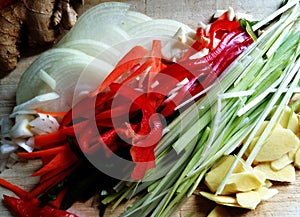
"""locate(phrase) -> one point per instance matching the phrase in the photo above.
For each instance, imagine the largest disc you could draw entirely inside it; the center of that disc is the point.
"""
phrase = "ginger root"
(32, 23)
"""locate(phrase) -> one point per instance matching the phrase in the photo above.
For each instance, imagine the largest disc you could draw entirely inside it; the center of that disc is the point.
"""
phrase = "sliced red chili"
(25, 208)
(15, 189)
(132, 58)
(221, 25)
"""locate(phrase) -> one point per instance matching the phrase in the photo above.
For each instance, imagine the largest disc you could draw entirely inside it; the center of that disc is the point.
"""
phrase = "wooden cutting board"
(189, 12)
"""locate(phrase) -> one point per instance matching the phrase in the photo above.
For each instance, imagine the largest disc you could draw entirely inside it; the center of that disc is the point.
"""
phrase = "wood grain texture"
(286, 203)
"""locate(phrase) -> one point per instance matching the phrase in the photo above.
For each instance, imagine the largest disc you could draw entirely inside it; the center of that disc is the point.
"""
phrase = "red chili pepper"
(49, 139)
(51, 174)
(54, 114)
(47, 152)
(213, 55)
(132, 58)
(156, 56)
(59, 198)
(49, 183)
(201, 72)
(79, 110)
(232, 50)
(62, 160)
(139, 71)
(91, 140)
(148, 134)
(221, 25)
(145, 160)
(15, 189)
(25, 208)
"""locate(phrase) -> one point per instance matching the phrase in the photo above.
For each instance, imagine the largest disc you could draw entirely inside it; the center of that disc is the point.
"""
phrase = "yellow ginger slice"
(219, 199)
(289, 119)
(279, 142)
(248, 199)
(267, 183)
(286, 174)
(292, 153)
(241, 182)
(266, 193)
(281, 162)
(217, 173)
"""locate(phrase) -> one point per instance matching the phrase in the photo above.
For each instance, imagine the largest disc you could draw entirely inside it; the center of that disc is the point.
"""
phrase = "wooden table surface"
(286, 203)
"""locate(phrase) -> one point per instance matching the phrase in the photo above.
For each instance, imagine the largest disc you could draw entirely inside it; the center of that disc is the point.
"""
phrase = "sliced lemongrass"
(259, 98)
(237, 94)
(272, 16)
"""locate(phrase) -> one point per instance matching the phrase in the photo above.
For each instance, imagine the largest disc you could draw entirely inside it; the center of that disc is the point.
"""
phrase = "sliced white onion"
(30, 84)
(22, 143)
(100, 23)
(65, 66)
(133, 18)
(21, 128)
(34, 103)
(95, 49)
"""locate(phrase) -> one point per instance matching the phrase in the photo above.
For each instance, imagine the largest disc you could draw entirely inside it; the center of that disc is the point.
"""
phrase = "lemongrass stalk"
(190, 164)
(271, 17)
(260, 97)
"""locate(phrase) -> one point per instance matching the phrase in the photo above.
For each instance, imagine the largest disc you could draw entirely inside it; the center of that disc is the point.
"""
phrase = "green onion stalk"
(232, 111)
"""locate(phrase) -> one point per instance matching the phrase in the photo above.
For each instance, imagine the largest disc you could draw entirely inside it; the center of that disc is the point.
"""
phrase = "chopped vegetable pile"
(160, 113)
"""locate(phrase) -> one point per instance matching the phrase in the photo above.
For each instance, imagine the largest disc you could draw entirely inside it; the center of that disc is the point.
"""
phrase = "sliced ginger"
(241, 182)
(220, 199)
(248, 199)
(279, 142)
(247, 187)
(286, 174)
(289, 120)
(215, 176)
(266, 193)
(281, 162)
